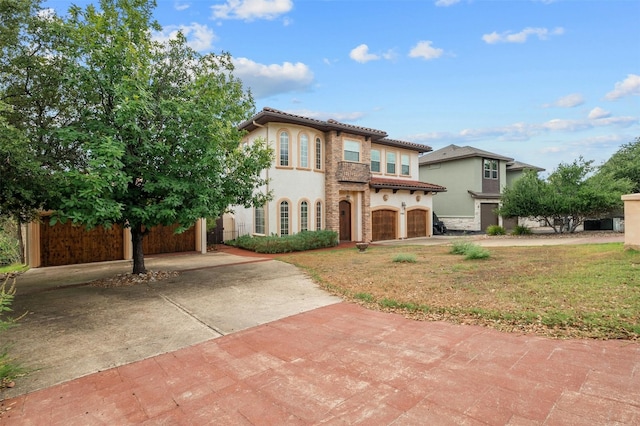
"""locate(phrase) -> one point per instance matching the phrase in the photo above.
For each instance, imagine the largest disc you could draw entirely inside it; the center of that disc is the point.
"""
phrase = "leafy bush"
(495, 230)
(476, 252)
(9, 370)
(521, 230)
(469, 250)
(405, 258)
(9, 247)
(460, 247)
(305, 240)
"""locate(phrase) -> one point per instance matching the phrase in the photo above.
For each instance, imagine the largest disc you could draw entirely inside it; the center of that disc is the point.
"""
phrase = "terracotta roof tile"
(414, 185)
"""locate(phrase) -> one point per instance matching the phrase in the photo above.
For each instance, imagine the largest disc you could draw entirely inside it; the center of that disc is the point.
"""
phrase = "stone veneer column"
(332, 155)
(367, 232)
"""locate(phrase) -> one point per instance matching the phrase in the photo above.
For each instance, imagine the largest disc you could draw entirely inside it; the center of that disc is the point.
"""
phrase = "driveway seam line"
(192, 315)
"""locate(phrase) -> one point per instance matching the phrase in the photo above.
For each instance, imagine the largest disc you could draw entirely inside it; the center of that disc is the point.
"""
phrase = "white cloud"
(424, 50)
(569, 101)
(598, 113)
(446, 3)
(597, 118)
(181, 6)
(199, 37)
(268, 80)
(361, 54)
(522, 36)
(628, 87)
(250, 10)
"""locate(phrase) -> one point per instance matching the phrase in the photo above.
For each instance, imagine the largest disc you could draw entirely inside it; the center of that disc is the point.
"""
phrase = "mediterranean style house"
(330, 175)
(475, 180)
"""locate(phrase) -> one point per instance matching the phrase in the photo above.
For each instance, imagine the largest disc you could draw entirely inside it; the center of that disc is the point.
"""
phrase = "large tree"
(571, 194)
(625, 164)
(154, 126)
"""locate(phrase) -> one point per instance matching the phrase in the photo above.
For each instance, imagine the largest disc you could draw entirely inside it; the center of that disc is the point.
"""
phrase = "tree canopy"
(625, 164)
(571, 194)
(149, 130)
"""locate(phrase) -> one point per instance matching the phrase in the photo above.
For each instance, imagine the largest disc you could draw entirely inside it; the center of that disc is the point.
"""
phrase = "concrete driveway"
(72, 329)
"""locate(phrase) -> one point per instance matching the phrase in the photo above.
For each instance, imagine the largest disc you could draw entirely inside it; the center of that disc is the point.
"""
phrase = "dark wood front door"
(488, 216)
(345, 221)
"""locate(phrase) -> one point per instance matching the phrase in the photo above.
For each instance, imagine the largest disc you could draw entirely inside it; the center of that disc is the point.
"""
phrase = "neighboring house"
(475, 180)
(336, 176)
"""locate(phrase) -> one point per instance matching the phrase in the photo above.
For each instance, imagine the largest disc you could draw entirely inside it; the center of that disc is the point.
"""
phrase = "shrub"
(9, 370)
(476, 252)
(405, 258)
(305, 240)
(469, 250)
(521, 230)
(9, 246)
(495, 230)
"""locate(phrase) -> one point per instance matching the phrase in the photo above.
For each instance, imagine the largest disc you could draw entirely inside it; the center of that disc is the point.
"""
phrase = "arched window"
(304, 151)
(284, 218)
(259, 220)
(284, 149)
(304, 216)
(319, 215)
(318, 154)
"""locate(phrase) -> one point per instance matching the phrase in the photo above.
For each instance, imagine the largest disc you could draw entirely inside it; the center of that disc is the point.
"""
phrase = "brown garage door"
(416, 223)
(66, 244)
(383, 223)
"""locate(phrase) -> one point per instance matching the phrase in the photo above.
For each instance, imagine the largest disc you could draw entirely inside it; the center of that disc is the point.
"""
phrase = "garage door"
(65, 244)
(416, 223)
(383, 223)
(488, 215)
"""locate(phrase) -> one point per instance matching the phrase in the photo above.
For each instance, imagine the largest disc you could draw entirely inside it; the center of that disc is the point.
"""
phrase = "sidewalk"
(343, 364)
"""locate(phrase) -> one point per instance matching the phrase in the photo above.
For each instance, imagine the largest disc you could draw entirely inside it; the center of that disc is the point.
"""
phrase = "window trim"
(255, 220)
(301, 218)
(288, 152)
(300, 151)
(402, 165)
(318, 148)
(379, 151)
(387, 163)
(489, 171)
(280, 228)
(319, 218)
(344, 150)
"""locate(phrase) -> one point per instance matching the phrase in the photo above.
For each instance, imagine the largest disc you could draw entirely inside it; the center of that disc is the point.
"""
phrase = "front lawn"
(586, 291)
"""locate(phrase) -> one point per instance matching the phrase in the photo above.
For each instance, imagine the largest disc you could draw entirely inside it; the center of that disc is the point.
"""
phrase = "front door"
(488, 215)
(345, 221)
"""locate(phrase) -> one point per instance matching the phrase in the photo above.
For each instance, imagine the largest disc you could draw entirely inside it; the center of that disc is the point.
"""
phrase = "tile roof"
(412, 185)
(268, 115)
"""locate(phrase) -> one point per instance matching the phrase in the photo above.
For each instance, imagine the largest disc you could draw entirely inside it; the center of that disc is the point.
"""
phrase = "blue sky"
(541, 81)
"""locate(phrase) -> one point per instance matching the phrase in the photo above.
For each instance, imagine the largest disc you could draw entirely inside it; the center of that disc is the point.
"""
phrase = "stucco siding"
(456, 201)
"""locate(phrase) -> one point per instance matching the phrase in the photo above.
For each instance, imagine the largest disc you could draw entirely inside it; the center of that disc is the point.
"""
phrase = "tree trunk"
(137, 234)
(23, 257)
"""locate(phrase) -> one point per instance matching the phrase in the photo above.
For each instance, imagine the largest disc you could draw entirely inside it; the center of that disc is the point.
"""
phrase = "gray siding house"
(475, 180)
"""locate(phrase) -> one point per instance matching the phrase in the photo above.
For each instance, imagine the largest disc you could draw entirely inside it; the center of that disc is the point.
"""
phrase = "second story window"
(375, 161)
(318, 154)
(304, 151)
(351, 151)
(490, 169)
(404, 160)
(391, 163)
(284, 149)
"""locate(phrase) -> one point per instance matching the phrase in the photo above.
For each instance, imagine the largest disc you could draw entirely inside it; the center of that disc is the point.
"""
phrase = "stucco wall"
(632, 221)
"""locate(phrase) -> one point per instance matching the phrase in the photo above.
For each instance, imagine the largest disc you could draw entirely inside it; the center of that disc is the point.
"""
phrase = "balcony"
(353, 172)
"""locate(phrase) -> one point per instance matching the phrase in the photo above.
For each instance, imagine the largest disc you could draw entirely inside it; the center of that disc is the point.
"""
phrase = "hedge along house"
(340, 177)
(475, 180)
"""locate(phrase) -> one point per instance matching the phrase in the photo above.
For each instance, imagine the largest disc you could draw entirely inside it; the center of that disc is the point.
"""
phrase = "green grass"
(586, 290)
(469, 250)
(15, 267)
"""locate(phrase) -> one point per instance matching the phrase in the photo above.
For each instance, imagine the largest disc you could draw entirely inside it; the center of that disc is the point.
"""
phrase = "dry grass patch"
(589, 291)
